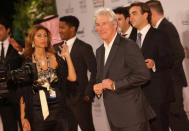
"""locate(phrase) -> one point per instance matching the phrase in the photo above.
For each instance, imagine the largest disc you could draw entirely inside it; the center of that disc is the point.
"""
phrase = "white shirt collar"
(70, 43)
(128, 32)
(111, 43)
(108, 48)
(158, 23)
(144, 32)
(5, 45)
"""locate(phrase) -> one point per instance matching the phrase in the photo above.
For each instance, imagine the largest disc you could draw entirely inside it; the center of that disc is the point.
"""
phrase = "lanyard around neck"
(48, 64)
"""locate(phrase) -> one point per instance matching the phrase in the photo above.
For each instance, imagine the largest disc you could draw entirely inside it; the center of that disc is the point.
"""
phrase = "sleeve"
(90, 61)
(139, 74)
(62, 72)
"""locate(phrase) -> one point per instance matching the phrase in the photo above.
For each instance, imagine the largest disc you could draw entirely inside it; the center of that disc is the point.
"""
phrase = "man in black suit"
(156, 51)
(178, 119)
(120, 73)
(79, 100)
(10, 59)
(125, 27)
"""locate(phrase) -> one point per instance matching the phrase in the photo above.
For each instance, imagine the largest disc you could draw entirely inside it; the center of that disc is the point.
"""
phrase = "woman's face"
(41, 39)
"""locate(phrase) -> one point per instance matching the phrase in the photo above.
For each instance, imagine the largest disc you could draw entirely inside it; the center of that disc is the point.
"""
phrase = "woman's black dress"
(56, 121)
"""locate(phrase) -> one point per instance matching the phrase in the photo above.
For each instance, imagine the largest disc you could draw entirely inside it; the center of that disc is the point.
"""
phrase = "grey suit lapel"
(111, 55)
(101, 63)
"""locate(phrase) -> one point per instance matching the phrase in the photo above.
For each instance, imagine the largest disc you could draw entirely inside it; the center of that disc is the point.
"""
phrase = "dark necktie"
(2, 53)
(124, 35)
(139, 39)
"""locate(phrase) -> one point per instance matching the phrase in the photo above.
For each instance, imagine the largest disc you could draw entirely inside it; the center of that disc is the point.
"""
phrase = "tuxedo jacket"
(83, 60)
(133, 35)
(156, 46)
(12, 61)
(125, 65)
(177, 72)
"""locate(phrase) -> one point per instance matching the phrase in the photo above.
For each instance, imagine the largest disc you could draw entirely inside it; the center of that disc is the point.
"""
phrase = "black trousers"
(138, 127)
(177, 118)
(80, 113)
(161, 121)
(8, 112)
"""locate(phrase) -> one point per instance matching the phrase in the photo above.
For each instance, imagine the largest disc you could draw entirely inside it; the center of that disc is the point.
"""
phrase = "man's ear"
(146, 15)
(8, 31)
(73, 29)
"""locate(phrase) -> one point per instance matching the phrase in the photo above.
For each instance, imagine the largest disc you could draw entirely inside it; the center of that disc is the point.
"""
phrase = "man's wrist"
(113, 86)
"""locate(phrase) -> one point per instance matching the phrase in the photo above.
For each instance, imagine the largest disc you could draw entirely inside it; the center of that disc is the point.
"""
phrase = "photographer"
(9, 60)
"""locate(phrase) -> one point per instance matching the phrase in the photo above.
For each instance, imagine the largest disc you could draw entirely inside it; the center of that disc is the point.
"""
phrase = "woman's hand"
(64, 51)
(25, 124)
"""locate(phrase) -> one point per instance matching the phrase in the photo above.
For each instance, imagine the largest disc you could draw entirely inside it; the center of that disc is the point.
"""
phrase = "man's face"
(4, 33)
(136, 17)
(122, 22)
(65, 30)
(105, 28)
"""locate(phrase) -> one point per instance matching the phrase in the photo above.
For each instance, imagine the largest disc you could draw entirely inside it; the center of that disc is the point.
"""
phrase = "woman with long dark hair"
(42, 100)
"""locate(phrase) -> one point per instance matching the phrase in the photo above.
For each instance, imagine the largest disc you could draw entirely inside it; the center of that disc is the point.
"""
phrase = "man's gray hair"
(106, 12)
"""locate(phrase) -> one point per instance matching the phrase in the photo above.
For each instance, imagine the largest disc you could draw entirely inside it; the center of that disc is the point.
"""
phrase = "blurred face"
(41, 39)
(137, 19)
(105, 28)
(4, 33)
(65, 31)
(122, 23)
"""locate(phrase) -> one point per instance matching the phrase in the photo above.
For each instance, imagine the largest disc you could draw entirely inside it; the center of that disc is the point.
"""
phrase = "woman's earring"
(33, 45)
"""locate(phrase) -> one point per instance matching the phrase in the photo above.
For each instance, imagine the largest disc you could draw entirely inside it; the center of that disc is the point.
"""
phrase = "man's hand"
(98, 88)
(86, 98)
(108, 84)
(149, 63)
(15, 45)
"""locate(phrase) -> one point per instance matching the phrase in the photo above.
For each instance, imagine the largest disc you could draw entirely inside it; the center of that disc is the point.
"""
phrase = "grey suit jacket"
(125, 65)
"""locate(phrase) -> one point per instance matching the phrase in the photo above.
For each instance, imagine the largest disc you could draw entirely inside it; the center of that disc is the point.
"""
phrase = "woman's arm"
(25, 123)
(71, 70)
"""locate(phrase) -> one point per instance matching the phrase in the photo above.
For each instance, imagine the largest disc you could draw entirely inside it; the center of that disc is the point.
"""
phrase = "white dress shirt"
(108, 48)
(128, 32)
(70, 43)
(158, 23)
(5, 45)
(144, 31)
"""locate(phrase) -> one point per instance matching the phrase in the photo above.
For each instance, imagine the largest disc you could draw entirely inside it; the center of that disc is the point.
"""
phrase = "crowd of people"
(137, 71)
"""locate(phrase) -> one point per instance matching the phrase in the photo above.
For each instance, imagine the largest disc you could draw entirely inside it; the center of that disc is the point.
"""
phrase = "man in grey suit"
(178, 119)
(120, 73)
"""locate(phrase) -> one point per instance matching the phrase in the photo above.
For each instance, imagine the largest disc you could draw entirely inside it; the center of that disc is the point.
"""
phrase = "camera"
(26, 73)
(3, 73)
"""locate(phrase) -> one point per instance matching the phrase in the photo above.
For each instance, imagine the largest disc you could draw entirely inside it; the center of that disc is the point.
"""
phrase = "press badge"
(52, 93)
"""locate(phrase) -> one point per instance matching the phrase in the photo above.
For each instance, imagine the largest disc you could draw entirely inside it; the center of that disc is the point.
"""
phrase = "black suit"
(8, 107)
(133, 35)
(178, 120)
(126, 106)
(83, 60)
(158, 90)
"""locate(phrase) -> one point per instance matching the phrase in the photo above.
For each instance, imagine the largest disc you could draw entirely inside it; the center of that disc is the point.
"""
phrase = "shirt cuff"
(154, 68)
(21, 52)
